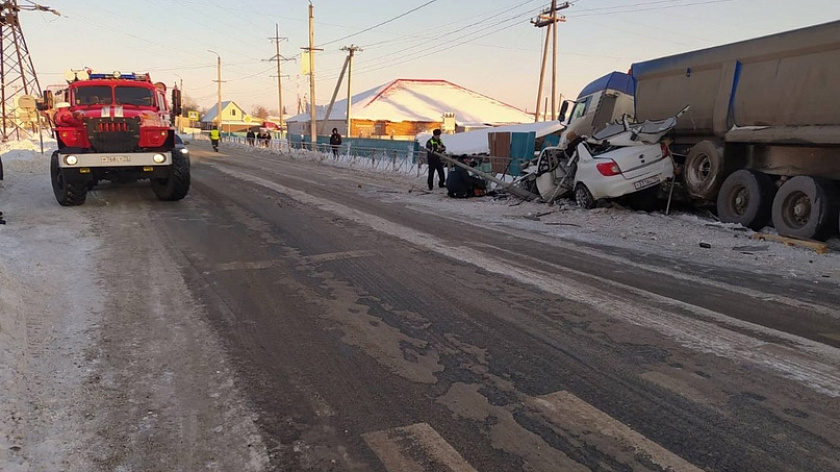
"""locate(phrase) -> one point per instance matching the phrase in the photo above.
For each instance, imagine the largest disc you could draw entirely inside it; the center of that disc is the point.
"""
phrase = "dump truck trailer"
(762, 137)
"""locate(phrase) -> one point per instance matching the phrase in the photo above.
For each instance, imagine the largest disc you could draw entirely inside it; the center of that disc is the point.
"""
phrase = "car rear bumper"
(618, 185)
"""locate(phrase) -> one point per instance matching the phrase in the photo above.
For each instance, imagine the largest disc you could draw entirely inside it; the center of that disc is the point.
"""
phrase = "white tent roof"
(423, 100)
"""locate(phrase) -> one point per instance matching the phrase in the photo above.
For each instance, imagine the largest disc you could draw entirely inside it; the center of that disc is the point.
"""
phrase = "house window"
(233, 112)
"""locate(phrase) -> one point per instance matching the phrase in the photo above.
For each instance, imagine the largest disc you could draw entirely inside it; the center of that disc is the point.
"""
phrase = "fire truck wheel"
(67, 192)
(177, 185)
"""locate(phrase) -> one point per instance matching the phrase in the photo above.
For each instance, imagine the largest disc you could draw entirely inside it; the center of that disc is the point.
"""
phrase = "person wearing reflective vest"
(214, 137)
(433, 145)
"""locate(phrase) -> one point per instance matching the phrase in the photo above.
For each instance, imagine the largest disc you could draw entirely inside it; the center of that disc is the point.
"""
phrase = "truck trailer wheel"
(67, 192)
(746, 197)
(704, 170)
(806, 207)
(177, 185)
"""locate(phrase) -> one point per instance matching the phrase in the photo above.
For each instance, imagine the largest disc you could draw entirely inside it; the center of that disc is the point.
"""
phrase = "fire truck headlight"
(71, 160)
(159, 158)
(185, 151)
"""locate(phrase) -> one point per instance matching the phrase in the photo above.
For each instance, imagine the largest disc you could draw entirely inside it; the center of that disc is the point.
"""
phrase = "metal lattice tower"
(17, 74)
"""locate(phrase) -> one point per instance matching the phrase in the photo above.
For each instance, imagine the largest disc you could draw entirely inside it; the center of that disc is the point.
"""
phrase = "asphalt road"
(373, 336)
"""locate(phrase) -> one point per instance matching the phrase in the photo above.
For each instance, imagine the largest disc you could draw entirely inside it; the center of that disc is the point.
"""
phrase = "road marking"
(796, 358)
(246, 265)
(415, 448)
(566, 410)
(270, 264)
(340, 256)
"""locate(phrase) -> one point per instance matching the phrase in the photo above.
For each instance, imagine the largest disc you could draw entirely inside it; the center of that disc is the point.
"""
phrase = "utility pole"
(219, 89)
(16, 70)
(549, 18)
(279, 58)
(351, 50)
(348, 63)
(313, 118)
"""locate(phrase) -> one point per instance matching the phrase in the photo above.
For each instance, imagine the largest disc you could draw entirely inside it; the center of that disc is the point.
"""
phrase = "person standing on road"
(214, 138)
(435, 145)
(335, 141)
(251, 137)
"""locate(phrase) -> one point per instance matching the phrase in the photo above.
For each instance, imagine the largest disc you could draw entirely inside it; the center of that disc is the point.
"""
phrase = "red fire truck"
(115, 127)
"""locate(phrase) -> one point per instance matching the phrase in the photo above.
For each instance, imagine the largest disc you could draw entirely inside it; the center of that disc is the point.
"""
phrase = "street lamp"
(219, 82)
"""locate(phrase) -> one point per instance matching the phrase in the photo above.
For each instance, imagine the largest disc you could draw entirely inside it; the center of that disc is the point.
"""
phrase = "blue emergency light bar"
(121, 76)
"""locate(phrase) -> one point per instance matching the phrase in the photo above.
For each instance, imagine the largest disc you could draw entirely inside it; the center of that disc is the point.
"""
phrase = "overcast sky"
(488, 46)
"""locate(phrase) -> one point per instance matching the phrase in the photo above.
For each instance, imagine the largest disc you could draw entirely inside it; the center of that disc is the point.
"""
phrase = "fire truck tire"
(806, 207)
(177, 185)
(67, 192)
(746, 197)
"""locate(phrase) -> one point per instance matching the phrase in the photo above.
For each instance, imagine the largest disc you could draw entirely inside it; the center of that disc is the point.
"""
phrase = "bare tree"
(259, 111)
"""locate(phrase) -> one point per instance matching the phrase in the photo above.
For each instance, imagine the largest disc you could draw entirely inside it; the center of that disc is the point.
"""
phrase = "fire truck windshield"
(134, 96)
(94, 95)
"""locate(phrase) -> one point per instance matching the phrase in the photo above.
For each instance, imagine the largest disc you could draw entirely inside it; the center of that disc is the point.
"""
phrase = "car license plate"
(115, 159)
(648, 182)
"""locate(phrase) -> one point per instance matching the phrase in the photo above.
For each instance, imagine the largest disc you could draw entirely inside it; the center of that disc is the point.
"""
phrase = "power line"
(380, 24)
(443, 43)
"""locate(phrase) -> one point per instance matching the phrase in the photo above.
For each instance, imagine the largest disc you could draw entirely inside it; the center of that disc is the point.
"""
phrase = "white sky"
(485, 45)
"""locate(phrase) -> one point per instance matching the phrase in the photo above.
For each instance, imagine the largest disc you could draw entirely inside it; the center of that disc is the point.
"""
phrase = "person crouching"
(461, 184)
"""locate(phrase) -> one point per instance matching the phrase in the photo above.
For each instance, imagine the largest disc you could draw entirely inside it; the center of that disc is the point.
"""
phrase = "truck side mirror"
(563, 109)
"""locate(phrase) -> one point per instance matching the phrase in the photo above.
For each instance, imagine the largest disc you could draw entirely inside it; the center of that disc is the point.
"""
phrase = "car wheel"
(583, 197)
(746, 197)
(704, 170)
(806, 207)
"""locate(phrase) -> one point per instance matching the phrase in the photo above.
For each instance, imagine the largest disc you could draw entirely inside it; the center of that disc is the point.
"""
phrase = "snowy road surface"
(294, 315)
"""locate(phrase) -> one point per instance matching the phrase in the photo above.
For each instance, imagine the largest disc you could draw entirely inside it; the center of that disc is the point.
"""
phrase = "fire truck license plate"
(115, 159)
(644, 183)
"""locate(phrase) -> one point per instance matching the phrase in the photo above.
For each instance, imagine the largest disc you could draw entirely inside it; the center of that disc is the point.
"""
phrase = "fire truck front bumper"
(113, 159)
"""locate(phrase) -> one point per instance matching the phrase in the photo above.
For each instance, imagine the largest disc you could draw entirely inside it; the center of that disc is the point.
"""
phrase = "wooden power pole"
(279, 58)
(549, 18)
(313, 116)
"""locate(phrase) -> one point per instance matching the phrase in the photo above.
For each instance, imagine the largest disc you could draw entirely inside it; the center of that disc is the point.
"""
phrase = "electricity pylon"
(17, 74)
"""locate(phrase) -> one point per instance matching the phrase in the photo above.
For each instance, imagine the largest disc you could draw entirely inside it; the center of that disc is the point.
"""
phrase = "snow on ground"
(681, 236)
(34, 339)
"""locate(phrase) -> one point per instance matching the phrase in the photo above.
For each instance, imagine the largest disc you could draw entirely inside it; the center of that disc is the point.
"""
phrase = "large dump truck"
(762, 137)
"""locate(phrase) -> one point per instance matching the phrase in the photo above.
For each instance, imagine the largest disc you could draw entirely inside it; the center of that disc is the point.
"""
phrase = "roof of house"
(423, 100)
(211, 113)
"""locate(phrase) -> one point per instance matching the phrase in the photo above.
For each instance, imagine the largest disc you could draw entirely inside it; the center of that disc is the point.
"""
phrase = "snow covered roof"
(475, 142)
(211, 113)
(423, 100)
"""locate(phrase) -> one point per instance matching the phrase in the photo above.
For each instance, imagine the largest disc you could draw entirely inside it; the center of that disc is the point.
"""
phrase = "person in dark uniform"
(434, 144)
(251, 137)
(335, 141)
(461, 184)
